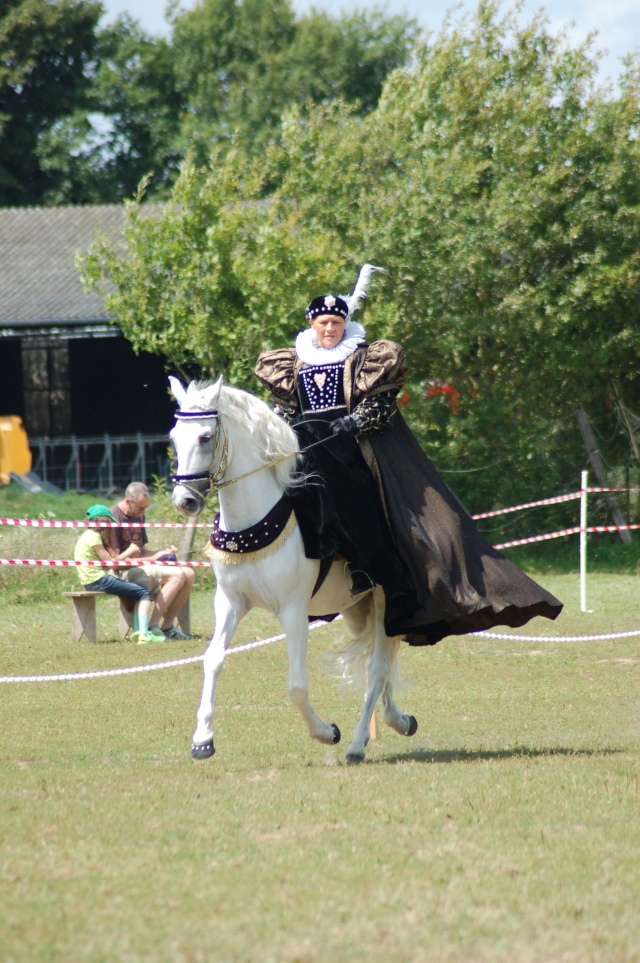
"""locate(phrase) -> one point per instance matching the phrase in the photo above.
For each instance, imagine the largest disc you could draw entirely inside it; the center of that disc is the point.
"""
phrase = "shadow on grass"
(476, 755)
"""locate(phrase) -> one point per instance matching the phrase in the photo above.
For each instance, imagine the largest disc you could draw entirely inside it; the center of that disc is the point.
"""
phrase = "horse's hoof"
(203, 751)
(353, 757)
(413, 726)
(336, 734)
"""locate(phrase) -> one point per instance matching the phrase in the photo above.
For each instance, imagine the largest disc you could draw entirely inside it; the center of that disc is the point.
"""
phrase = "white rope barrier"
(132, 670)
(558, 638)
(175, 663)
(68, 563)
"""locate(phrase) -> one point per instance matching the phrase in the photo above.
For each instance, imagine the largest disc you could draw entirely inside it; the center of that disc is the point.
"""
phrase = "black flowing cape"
(463, 583)
(439, 574)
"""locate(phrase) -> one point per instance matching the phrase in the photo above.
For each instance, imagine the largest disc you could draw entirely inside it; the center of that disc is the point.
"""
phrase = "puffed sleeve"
(275, 370)
(383, 370)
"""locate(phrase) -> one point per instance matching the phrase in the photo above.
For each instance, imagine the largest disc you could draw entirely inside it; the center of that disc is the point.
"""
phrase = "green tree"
(126, 126)
(348, 58)
(500, 188)
(44, 49)
(241, 64)
(211, 274)
(517, 268)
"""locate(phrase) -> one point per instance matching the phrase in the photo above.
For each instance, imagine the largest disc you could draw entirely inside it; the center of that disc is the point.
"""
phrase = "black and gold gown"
(378, 501)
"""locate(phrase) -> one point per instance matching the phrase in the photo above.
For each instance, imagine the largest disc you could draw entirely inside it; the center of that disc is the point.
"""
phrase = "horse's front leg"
(296, 626)
(228, 613)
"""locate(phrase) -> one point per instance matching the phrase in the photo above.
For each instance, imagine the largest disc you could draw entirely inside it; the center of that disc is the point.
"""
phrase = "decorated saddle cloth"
(256, 542)
(261, 540)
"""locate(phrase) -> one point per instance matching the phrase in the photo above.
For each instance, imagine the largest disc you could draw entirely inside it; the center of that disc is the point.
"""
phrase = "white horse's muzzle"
(189, 501)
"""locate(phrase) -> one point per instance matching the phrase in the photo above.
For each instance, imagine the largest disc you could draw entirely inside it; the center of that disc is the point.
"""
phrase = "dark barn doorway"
(114, 391)
(11, 383)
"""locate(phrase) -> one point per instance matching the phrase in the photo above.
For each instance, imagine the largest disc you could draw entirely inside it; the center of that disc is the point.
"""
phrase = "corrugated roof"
(39, 282)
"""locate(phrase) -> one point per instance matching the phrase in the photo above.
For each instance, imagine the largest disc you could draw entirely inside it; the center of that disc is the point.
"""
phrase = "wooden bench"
(84, 622)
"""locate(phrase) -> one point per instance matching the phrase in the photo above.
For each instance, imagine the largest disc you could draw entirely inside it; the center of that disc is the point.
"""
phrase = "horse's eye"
(205, 439)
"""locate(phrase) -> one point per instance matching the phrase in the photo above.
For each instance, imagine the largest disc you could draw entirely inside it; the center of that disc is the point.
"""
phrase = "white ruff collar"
(308, 350)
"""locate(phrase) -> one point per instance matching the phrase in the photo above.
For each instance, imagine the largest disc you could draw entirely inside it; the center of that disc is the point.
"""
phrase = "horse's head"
(196, 438)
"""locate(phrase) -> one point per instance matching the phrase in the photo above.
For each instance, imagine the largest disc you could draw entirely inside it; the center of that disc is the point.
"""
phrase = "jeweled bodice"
(321, 388)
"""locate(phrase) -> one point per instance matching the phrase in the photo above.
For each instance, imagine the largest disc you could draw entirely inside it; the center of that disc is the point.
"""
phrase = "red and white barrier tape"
(515, 508)
(554, 500)
(66, 563)
(538, 538)
(612, 528)
(567, 531)
(71, 563)
(48, 523)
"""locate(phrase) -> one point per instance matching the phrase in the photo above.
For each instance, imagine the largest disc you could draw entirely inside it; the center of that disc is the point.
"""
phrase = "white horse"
(228, 439)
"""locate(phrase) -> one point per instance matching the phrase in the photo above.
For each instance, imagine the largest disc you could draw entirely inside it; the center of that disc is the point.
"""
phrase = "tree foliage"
(518, 277)
(45, 50)
(241, 63)
(500, 188)
(86, 112)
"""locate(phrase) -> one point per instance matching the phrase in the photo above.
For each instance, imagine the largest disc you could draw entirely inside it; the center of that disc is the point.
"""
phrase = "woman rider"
(376, 499)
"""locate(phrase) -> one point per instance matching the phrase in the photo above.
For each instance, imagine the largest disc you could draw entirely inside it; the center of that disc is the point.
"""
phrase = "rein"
(212, 477)
(272, 464)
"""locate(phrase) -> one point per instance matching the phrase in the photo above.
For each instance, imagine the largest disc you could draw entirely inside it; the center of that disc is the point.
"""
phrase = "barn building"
(65, 367)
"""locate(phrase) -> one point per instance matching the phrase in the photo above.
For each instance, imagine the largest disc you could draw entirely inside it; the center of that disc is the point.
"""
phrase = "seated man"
(170, 586)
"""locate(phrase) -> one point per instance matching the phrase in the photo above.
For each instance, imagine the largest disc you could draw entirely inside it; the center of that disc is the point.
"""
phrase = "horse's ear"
(214, 397)
(178, 391)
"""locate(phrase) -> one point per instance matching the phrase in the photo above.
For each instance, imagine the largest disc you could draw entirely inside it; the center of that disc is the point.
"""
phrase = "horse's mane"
(273, 437)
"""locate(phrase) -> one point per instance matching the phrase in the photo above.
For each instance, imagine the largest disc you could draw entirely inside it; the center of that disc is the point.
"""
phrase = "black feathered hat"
(343, 306)
(327, 304)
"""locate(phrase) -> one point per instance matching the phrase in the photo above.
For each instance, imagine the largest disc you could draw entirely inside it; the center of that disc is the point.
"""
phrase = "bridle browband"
(186, 415)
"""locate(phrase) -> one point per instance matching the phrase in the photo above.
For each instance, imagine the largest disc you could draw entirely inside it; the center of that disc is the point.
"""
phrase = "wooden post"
(373, 722)
(599, 469)
(184, 615)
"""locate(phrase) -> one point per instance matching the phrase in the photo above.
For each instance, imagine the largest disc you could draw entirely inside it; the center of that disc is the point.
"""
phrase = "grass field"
(507, 829)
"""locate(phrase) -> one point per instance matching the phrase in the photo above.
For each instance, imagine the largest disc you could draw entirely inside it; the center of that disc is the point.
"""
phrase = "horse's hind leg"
(296, 626)
(381, 668)
(227, 615)
(392, 716)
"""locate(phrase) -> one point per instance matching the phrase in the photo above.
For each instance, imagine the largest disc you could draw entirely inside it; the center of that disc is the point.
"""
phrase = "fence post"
(583, 541)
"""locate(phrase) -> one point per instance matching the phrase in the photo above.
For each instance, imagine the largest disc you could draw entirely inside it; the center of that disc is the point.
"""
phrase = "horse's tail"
(348, 663)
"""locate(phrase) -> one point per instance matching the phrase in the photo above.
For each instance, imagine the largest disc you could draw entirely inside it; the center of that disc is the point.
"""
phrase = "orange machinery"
(15, 455)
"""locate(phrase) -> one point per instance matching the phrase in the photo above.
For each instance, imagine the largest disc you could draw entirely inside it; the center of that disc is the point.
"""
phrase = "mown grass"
(506, 830)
